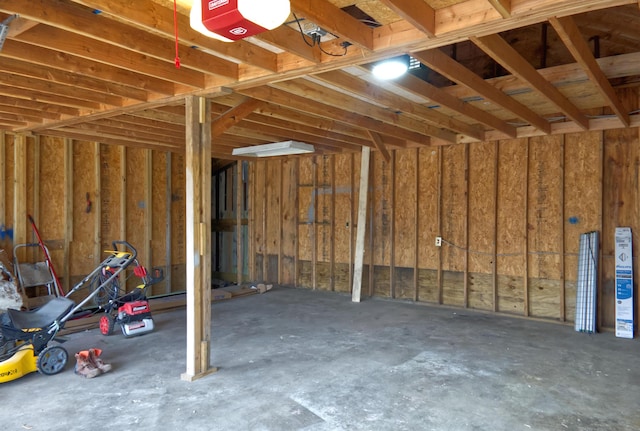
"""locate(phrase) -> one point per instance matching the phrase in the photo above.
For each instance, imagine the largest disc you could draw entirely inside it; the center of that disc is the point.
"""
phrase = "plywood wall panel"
(50, 223)
(512, 180)
(82, 248)
(482, 205)
(454, 210)
(453, 215)
(52, 189)
(405, 209)
(343, 206)
(482, 228)
(289, 221)
(382, 188)
(259, 207)
(159, 207)
(620, 207)
(324, 210)
(341, 280)
(110, 180)
(323, 275)
(545, 194)
(480, 291)
(178, 222)
(272, 201)
(6, 218)
(582, 203)
(135, 201)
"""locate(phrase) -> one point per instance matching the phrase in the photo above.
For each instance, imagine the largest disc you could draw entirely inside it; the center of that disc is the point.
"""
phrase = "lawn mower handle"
(132, 249)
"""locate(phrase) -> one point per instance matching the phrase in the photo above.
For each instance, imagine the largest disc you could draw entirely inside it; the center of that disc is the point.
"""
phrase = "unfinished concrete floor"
(304, 360)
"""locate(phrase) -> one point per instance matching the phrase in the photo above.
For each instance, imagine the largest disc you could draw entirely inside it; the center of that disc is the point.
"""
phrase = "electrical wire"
(315, 41)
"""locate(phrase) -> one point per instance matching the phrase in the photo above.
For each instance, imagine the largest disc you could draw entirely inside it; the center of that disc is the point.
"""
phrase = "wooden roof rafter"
(504, 54)
(572, 38)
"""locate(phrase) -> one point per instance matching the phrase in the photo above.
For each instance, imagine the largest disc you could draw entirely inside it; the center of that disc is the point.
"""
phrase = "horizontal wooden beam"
(505, 54)
(575, 43)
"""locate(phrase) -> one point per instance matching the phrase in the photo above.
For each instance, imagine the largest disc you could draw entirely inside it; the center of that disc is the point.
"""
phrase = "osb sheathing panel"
(382, 185)
(111, 184)
(512, 177)
(159, 221)
(289, 220)
(544, 224)
(135, 200)
(582, 202)
(405, 209)
(31, 182)
(482, 206)
(272, 201)
(6, 224)
(51, 222)
(324, 199)
(428, 160)
(343, 209)
(482, 226)
(259, 206)
(453, 216)
(82, 249)
(178, 223)
(620, 208)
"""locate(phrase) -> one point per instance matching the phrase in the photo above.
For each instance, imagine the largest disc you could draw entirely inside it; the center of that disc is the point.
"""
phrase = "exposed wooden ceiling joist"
(504, 54)
(572, 38)
(106, 69)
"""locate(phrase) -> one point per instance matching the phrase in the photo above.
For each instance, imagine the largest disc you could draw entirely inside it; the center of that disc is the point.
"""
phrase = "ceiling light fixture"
(285, 148)
(230, 20)
(392, 68)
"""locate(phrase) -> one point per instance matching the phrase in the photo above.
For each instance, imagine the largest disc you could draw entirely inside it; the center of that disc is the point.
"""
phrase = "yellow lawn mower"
(25, 335)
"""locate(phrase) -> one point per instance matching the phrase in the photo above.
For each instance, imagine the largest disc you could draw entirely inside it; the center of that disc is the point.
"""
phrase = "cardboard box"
(624, 283)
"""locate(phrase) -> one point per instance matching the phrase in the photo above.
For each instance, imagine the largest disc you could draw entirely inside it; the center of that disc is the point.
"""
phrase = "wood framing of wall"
(510, 214)
(84, 195)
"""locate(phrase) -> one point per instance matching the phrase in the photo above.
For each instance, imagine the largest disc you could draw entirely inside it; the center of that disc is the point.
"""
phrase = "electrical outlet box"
(438, 241)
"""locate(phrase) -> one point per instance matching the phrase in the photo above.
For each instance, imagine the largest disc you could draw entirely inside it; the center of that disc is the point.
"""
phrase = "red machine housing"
(223, 17)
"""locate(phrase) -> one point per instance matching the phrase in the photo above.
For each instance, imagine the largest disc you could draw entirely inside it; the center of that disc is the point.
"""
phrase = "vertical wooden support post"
(168, 227)
(122, 217)
(332, 221)
(416, 241)
(561, 245)
(362, 224)
(68, 212)
(198, 236)
(20, 189)
(439, 204)
(96, 207)
(370, 206)
(352, 237)
(602, 234)
(526, 231)
(251, 188)
(148, 208)
(494, 264)
(265, 205)
(392, 239)
(466, 226)
(239, 200)
(280, 220)
(297, 223)
(123, 193)
(314, 230)
(3, 171)
(35, 211)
